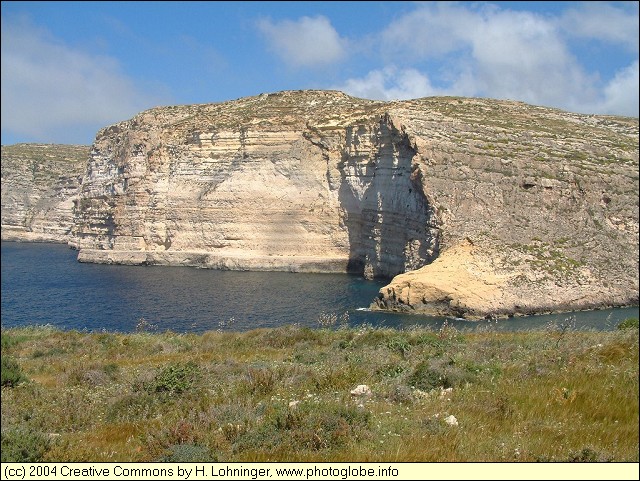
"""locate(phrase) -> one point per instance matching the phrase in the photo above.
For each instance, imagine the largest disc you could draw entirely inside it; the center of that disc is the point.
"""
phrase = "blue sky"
(71, 68)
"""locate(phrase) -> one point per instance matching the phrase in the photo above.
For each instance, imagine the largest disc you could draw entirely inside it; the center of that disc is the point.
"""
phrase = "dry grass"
(550, 395)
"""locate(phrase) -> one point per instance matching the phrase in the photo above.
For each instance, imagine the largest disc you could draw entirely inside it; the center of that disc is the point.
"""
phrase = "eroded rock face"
(39, 185)
(538, 209)
(298, 181)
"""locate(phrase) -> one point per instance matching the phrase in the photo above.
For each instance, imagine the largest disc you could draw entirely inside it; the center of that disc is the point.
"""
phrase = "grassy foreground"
(285, 395)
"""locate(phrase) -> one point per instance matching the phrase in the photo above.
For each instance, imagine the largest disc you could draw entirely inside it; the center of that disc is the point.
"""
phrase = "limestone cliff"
(299, 181)
(478, 207)
(537, 209)
(39, 185)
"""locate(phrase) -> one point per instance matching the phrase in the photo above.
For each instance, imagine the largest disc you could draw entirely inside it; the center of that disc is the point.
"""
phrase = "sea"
(43, 284)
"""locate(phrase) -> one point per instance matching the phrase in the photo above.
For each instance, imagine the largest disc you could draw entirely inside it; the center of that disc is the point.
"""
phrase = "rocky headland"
(472, 207)
(39, 185)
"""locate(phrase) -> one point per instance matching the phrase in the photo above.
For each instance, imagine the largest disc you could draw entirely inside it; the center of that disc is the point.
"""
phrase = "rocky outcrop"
(537, 208)
(478, 207)
(39, 185)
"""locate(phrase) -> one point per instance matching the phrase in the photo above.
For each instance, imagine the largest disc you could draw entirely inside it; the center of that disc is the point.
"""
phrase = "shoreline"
(243, 262)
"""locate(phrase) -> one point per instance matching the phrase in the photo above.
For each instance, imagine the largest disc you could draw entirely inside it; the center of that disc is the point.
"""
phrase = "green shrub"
(428, 339)
(261, 380)
(426, 378)
(7, 340)
(188, 453)
(20, 445)
(11, 373)
(93, 375)
(588, 455)
(390, 370)
(629, 323)
(373, 337)
(399, 344)
(331, 428)
(137, 406)
(175, 379)
(477, 369)
(442, 373)
(308, 427)
(398, 394)
(288, 336)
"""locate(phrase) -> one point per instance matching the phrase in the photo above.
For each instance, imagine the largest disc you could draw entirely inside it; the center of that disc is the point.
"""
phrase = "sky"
(71, 68)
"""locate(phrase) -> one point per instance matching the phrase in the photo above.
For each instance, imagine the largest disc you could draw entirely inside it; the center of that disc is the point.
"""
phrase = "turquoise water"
(44, 284)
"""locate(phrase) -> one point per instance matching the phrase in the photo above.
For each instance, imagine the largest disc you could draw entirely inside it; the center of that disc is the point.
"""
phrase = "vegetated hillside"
(39, 185)
(297, 395)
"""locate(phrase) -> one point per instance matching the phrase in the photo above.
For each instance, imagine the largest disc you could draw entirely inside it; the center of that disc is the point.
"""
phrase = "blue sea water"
(44, 284)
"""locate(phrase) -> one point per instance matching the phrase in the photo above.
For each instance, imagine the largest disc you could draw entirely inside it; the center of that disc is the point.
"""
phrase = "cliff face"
(305, 181)
(538, 209)
(477, 207)
(39, 185)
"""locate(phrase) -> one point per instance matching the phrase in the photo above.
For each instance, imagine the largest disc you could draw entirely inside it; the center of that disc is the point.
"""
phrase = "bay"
(44, 284)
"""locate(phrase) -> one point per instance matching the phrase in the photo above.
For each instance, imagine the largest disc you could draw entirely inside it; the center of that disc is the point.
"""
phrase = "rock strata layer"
(40, 183)
(478, 207)
(296, 181)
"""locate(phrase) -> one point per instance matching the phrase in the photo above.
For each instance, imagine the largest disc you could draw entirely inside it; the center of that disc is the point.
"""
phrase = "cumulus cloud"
(616, 24)
(621, 93)
(390, 83)
(488, 51)
(430, 31)
(519, 55)
(491, 52)
(54, 92)
(306, 42)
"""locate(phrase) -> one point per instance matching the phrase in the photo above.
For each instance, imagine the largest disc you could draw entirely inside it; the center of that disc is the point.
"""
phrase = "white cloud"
(432, 30)
(390, 83)
(614, 23)
(306, 42)
(490, 51)
(621, 94)
(519, 55)
(54, 92)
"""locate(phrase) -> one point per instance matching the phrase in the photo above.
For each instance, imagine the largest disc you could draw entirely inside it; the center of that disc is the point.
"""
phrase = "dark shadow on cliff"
(391, 225)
